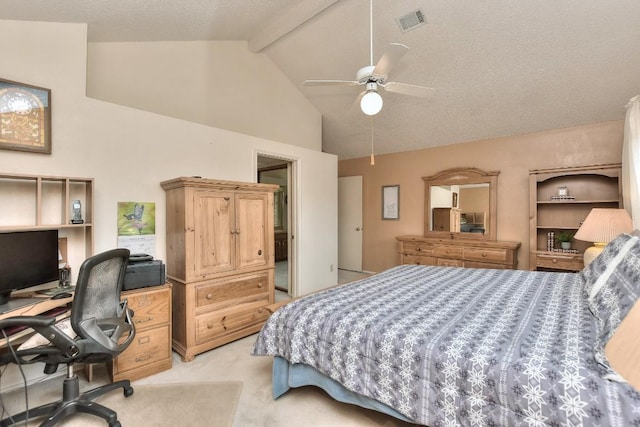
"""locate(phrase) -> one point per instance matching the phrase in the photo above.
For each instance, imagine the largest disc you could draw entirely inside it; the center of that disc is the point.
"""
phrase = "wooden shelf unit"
(43, 202)
(597, 186)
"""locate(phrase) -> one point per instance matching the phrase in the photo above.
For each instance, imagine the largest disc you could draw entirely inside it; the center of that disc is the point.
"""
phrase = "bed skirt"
(290, 375)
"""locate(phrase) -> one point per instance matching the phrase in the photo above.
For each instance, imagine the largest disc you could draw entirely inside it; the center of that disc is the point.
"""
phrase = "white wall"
(219, 84)
(129, 152)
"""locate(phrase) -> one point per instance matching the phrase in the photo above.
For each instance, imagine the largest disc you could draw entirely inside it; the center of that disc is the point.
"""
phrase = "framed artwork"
(391, 202)
(25, 117)
(454, 200)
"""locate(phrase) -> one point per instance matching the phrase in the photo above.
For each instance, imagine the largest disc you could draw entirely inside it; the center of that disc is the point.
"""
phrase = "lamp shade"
(603, 225)
(371, 103)
(600, 227)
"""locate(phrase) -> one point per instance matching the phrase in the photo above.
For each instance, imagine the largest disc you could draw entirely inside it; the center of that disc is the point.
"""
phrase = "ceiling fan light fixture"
(371, 103)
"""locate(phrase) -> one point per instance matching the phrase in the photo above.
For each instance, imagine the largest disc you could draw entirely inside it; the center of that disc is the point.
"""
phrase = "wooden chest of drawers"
(150, 351)
(458, 253)
(211, 313)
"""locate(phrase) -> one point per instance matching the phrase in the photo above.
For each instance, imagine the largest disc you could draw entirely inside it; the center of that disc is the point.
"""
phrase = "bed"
(453, 346)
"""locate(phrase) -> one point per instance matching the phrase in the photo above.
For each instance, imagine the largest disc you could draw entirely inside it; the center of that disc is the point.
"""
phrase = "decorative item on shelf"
(77, 213)
(550, 240)
(600, 227)
(565, 251)
(564, 238)
(563, 194)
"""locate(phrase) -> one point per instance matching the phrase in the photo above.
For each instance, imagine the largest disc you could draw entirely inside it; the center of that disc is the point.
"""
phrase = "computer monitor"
(27, 258)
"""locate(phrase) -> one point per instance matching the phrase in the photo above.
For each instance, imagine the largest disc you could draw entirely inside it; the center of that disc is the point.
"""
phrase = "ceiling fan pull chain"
(373, 161)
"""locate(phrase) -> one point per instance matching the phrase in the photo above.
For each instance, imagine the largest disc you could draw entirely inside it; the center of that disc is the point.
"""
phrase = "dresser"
(458, 253)
(150, 351)
(220, 260)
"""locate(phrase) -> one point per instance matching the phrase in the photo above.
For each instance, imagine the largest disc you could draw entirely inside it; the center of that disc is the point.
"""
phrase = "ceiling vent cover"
(411, 20)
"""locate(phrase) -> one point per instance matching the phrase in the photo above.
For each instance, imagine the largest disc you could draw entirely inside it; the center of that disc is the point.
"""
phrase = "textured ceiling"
(499, 68)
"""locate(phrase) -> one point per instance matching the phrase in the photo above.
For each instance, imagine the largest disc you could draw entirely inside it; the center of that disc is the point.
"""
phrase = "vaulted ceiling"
(498, 68)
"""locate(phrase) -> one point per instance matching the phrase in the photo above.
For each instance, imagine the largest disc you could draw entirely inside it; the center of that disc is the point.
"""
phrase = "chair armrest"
(29, 321)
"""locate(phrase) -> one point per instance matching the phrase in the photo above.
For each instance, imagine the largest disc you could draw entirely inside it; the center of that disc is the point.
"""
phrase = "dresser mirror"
(461, 203)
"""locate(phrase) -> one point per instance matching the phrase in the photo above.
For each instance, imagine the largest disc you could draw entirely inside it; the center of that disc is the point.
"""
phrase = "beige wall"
(513, 156)
(219, 84)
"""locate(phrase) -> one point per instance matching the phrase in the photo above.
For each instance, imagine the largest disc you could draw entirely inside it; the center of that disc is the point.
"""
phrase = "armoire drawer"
(220, 322)
(224, 293)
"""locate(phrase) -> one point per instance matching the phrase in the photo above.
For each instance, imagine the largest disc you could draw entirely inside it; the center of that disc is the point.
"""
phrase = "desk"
(149, 353)
(35, 309)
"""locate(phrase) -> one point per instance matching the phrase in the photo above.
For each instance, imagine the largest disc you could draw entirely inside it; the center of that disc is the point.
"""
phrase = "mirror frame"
(461, 176)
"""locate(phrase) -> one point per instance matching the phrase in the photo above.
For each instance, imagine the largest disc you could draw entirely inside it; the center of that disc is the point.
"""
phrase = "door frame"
(292, 213)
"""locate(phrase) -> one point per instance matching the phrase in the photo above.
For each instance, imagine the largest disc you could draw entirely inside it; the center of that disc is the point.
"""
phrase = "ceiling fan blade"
(391, 56)
(407, 89)
(331, 83)
(356, 104)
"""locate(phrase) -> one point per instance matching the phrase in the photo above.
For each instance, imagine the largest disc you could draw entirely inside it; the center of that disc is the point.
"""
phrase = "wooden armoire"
(220, 260)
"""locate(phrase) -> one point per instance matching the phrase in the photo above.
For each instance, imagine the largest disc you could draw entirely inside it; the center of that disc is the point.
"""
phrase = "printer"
(143, 271)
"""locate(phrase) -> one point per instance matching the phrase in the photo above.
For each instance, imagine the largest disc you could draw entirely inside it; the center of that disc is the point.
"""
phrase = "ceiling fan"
(373, 77)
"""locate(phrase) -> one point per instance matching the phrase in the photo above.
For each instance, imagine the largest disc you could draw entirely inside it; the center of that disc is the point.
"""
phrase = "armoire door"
(214, 232)
(251, 230)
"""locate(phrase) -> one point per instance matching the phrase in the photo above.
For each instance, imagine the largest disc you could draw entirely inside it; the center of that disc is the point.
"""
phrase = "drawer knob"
(419, 249)
(209, 325)
(555, 260)
(417, 262)
(484, 254)
(259, 251)
(209, 296)
(259, 284)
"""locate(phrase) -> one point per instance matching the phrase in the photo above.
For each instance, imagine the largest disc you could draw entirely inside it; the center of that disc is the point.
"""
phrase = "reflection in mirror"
(461, 203)
(469, 205)
(280, 209)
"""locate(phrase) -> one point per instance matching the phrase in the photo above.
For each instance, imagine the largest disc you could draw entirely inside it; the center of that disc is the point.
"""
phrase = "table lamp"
(600, 227)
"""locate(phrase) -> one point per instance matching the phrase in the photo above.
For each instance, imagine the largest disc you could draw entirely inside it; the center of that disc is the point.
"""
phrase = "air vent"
(411, 20)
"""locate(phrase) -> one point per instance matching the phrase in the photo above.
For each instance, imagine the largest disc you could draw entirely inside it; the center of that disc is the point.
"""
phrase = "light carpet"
(181, 404)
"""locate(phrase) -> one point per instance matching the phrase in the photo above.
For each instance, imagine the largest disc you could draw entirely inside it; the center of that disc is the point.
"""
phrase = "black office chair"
(104, 329)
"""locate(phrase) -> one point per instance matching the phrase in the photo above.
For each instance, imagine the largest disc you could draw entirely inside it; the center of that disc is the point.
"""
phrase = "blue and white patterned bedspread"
(453, 346)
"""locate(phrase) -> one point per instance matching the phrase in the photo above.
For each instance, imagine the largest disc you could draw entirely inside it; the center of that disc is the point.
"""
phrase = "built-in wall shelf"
(44, 202)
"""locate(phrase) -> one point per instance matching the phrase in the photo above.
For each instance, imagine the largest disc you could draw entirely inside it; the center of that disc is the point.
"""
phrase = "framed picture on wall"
(391, 202)
(25, 117)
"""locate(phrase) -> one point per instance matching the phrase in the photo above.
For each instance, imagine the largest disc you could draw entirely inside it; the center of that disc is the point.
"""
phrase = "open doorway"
(272, 170)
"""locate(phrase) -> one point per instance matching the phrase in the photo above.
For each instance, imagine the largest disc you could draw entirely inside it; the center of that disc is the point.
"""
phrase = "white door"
(350, 223)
